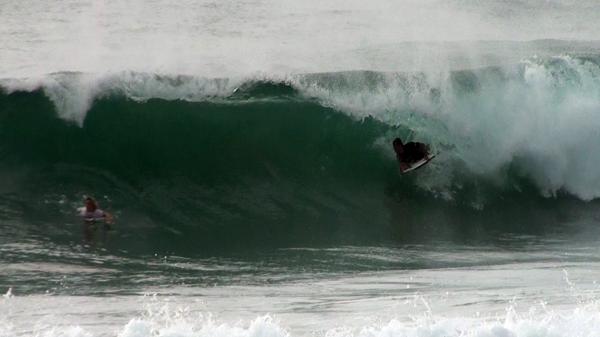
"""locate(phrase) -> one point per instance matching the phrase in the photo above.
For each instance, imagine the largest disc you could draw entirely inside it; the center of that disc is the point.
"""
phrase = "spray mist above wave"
(537, 119)
(236, 38)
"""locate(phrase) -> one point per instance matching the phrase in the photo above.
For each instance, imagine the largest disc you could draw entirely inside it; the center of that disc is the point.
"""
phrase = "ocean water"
(244, 148)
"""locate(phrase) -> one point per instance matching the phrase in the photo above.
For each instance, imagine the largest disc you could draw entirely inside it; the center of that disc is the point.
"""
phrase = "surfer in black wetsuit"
(409, 153)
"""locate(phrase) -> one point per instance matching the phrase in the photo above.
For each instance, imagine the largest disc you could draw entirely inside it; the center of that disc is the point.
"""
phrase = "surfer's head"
(90, 204)
(398, 146)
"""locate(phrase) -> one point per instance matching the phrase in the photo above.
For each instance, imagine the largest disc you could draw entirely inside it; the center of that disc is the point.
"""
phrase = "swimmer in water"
(91, 213)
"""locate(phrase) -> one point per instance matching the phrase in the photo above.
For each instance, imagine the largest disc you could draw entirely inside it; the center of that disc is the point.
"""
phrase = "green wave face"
(231, 172)
(285, 163)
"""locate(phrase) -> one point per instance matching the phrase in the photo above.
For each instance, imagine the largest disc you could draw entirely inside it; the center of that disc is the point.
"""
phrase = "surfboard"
(418, 164)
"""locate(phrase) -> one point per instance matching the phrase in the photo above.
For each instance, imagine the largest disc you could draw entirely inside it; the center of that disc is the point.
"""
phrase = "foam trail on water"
(537, 322)
(263, 326)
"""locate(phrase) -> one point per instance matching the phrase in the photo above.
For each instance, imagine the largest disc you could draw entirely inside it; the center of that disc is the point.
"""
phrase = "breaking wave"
(309, 151)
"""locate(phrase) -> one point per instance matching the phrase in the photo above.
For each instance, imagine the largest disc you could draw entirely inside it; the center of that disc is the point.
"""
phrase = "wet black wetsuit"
(413, 152)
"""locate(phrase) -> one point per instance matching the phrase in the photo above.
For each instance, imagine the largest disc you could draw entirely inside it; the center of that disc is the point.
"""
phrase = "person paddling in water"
(409, 153)
(91, 213)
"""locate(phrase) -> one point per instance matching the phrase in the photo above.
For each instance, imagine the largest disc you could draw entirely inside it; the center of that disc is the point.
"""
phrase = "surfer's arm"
(108, 218)
(403, 166)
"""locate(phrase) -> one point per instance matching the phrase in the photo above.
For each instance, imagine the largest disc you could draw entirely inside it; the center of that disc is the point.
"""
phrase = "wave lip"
(74, 93)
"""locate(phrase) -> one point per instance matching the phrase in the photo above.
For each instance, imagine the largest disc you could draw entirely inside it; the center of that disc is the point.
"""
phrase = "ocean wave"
(309, 151)
(537, 118)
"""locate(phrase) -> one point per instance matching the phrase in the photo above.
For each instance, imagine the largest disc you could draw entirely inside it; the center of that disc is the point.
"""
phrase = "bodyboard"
(417, 164)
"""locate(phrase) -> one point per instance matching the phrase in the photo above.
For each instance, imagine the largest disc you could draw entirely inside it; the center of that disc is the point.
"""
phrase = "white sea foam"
(544, 122)
(536, 322)
(541, 117)
(8, 294)
(204, 327)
